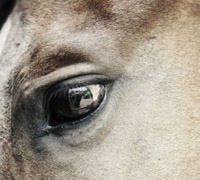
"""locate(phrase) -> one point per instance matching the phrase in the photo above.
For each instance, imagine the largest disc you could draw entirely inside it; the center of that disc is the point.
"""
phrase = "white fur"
(4, 34)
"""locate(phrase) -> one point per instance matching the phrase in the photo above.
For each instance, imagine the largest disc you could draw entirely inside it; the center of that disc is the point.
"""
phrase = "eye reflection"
(81, 99)
(69, 105)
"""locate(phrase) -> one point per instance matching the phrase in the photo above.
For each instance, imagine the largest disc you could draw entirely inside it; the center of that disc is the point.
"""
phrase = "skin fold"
(148, 127)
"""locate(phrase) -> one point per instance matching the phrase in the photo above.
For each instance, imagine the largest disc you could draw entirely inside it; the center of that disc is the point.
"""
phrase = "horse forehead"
(90, 12)
(58, 20)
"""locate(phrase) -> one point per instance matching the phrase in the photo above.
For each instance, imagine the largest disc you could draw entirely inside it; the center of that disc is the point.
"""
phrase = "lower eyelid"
(63, 129)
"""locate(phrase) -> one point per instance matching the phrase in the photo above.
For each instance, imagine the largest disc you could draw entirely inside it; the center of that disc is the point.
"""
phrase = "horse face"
(100, 90)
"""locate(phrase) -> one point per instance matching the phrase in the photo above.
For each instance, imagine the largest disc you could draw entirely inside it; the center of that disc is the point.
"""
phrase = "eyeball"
(70, 105)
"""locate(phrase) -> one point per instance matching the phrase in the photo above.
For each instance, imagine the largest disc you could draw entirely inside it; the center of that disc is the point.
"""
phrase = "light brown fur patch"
(101, 9)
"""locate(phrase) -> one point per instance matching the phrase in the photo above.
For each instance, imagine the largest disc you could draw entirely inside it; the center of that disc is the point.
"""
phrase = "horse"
(100, 90)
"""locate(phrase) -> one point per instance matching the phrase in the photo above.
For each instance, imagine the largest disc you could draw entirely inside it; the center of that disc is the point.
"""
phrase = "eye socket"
(71, 104)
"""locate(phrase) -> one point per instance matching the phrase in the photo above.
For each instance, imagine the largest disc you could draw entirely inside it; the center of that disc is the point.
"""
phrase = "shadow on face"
(6, 7)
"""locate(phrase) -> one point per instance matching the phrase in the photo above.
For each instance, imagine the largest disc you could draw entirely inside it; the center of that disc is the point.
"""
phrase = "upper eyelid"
(60, 75)
(45, 60)
(79, 81)
(84, 80)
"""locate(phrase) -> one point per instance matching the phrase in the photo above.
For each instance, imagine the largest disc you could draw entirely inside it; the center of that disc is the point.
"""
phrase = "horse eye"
(72, 105)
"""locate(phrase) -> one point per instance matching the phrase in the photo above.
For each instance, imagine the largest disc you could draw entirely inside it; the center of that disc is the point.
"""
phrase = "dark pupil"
(69, 106)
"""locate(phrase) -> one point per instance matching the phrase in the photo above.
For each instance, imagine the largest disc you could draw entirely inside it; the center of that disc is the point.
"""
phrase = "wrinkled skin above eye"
(69, 105)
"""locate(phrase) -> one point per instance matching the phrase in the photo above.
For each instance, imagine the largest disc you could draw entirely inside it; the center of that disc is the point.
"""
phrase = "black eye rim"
(77, 81)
